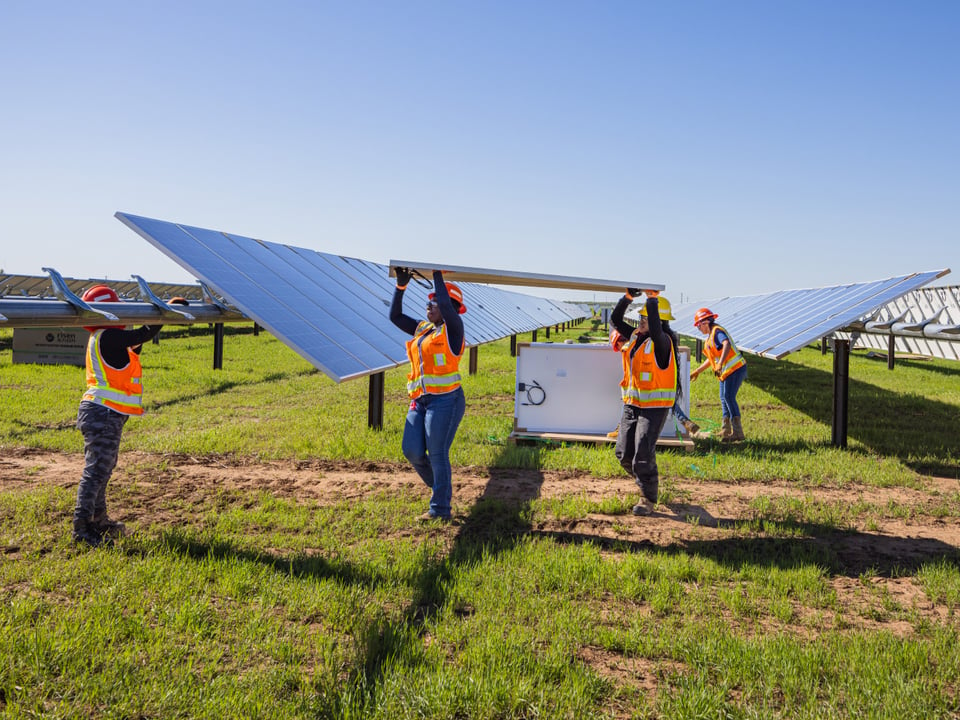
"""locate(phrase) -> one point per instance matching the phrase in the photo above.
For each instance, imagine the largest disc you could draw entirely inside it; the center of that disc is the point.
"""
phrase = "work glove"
(403, 276)
(634, 292)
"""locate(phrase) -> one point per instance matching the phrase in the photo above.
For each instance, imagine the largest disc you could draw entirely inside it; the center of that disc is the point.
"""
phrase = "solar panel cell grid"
(331, 309)
(782, 322)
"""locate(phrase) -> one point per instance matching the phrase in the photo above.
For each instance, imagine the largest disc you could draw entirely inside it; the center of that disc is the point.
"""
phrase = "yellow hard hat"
(663, 305)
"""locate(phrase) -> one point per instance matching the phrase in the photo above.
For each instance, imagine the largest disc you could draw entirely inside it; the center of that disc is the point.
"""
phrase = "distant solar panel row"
(40, 286)
(332, 310)
(779, 323)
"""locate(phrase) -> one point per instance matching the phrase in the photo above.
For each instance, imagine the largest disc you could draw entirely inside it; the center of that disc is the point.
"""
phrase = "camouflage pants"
(101, 428)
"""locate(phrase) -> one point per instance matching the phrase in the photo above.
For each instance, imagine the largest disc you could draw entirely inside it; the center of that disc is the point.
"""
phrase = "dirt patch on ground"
(901, 529)
(917, 529)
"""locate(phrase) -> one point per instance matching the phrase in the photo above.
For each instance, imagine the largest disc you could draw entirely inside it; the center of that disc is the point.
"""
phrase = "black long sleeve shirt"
(115, 341)
(662, 343)
(451, 318)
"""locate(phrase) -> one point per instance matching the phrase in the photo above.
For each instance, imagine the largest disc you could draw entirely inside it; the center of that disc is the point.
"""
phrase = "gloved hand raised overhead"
(403, 276)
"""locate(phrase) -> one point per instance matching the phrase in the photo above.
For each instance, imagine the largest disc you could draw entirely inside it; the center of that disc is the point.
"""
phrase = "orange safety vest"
(118, 390)
(434, 366)
(644, 383)
(724, 364)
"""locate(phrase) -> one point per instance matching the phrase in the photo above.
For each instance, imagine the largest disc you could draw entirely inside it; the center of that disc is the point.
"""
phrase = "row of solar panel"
(40, 286)
(779, 323)
(333, 310)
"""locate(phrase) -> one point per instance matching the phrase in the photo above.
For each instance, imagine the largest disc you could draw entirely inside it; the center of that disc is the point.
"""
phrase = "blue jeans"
(431, 425)
(728, 392)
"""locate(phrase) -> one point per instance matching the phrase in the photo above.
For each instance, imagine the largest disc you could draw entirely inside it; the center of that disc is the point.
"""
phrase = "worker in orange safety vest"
(437, 403)
(729, 367)
(114, 393)
(648, 389)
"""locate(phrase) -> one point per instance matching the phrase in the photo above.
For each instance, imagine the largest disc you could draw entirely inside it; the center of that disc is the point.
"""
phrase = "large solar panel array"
(333, 310)
(779, 323)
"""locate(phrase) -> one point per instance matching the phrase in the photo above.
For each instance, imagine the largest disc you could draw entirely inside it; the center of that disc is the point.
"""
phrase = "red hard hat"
(100, 293)
(616, 339)
(703, 314)
(456, 294)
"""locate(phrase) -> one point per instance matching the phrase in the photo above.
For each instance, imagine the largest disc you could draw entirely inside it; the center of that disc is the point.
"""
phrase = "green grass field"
(828, 594)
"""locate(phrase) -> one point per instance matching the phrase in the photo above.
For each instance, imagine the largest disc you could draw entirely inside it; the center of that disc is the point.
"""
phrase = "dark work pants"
(637, 446)
(101, 428)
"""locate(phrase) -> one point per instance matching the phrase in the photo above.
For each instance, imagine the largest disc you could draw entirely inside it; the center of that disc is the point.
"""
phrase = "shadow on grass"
(298, 566)
(847, 553)
(229, 385)
(920, 432)
(492, 526)
(925, 365)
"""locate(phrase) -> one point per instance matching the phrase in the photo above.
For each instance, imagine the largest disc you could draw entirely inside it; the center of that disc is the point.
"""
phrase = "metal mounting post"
(375, 402)
(841, 391)
(218, 346)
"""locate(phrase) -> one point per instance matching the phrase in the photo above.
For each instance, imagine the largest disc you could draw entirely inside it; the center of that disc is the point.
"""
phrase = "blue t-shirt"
(719, 338)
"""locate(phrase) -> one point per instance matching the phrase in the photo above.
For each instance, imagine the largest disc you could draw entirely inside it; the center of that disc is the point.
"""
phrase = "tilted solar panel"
(333, 310)
(779, 323)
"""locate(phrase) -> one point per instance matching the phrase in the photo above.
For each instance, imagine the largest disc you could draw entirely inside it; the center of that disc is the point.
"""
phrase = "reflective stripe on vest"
(644, 383)
(434, 367)
(118, 390)
(724, 364)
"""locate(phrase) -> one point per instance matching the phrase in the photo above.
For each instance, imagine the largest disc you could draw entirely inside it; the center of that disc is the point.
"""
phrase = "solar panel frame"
(457, 274)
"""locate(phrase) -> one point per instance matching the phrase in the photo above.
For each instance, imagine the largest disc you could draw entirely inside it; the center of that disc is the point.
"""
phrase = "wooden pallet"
(520, 437)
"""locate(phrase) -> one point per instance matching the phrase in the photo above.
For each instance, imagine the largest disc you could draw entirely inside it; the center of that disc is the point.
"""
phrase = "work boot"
(737, 429)
(691, 427)
(726, 430)
(107, 528)
(83, 532)
(644, 507)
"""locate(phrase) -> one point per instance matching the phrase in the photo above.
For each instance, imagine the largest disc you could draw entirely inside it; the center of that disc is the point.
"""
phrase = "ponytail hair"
(675, 341)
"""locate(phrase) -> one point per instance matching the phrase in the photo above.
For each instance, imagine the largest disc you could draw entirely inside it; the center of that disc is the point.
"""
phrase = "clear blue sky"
(719, 148)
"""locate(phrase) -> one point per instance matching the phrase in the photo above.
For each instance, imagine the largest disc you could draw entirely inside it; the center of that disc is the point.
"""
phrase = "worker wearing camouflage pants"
(101, 428)
(114, 393)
